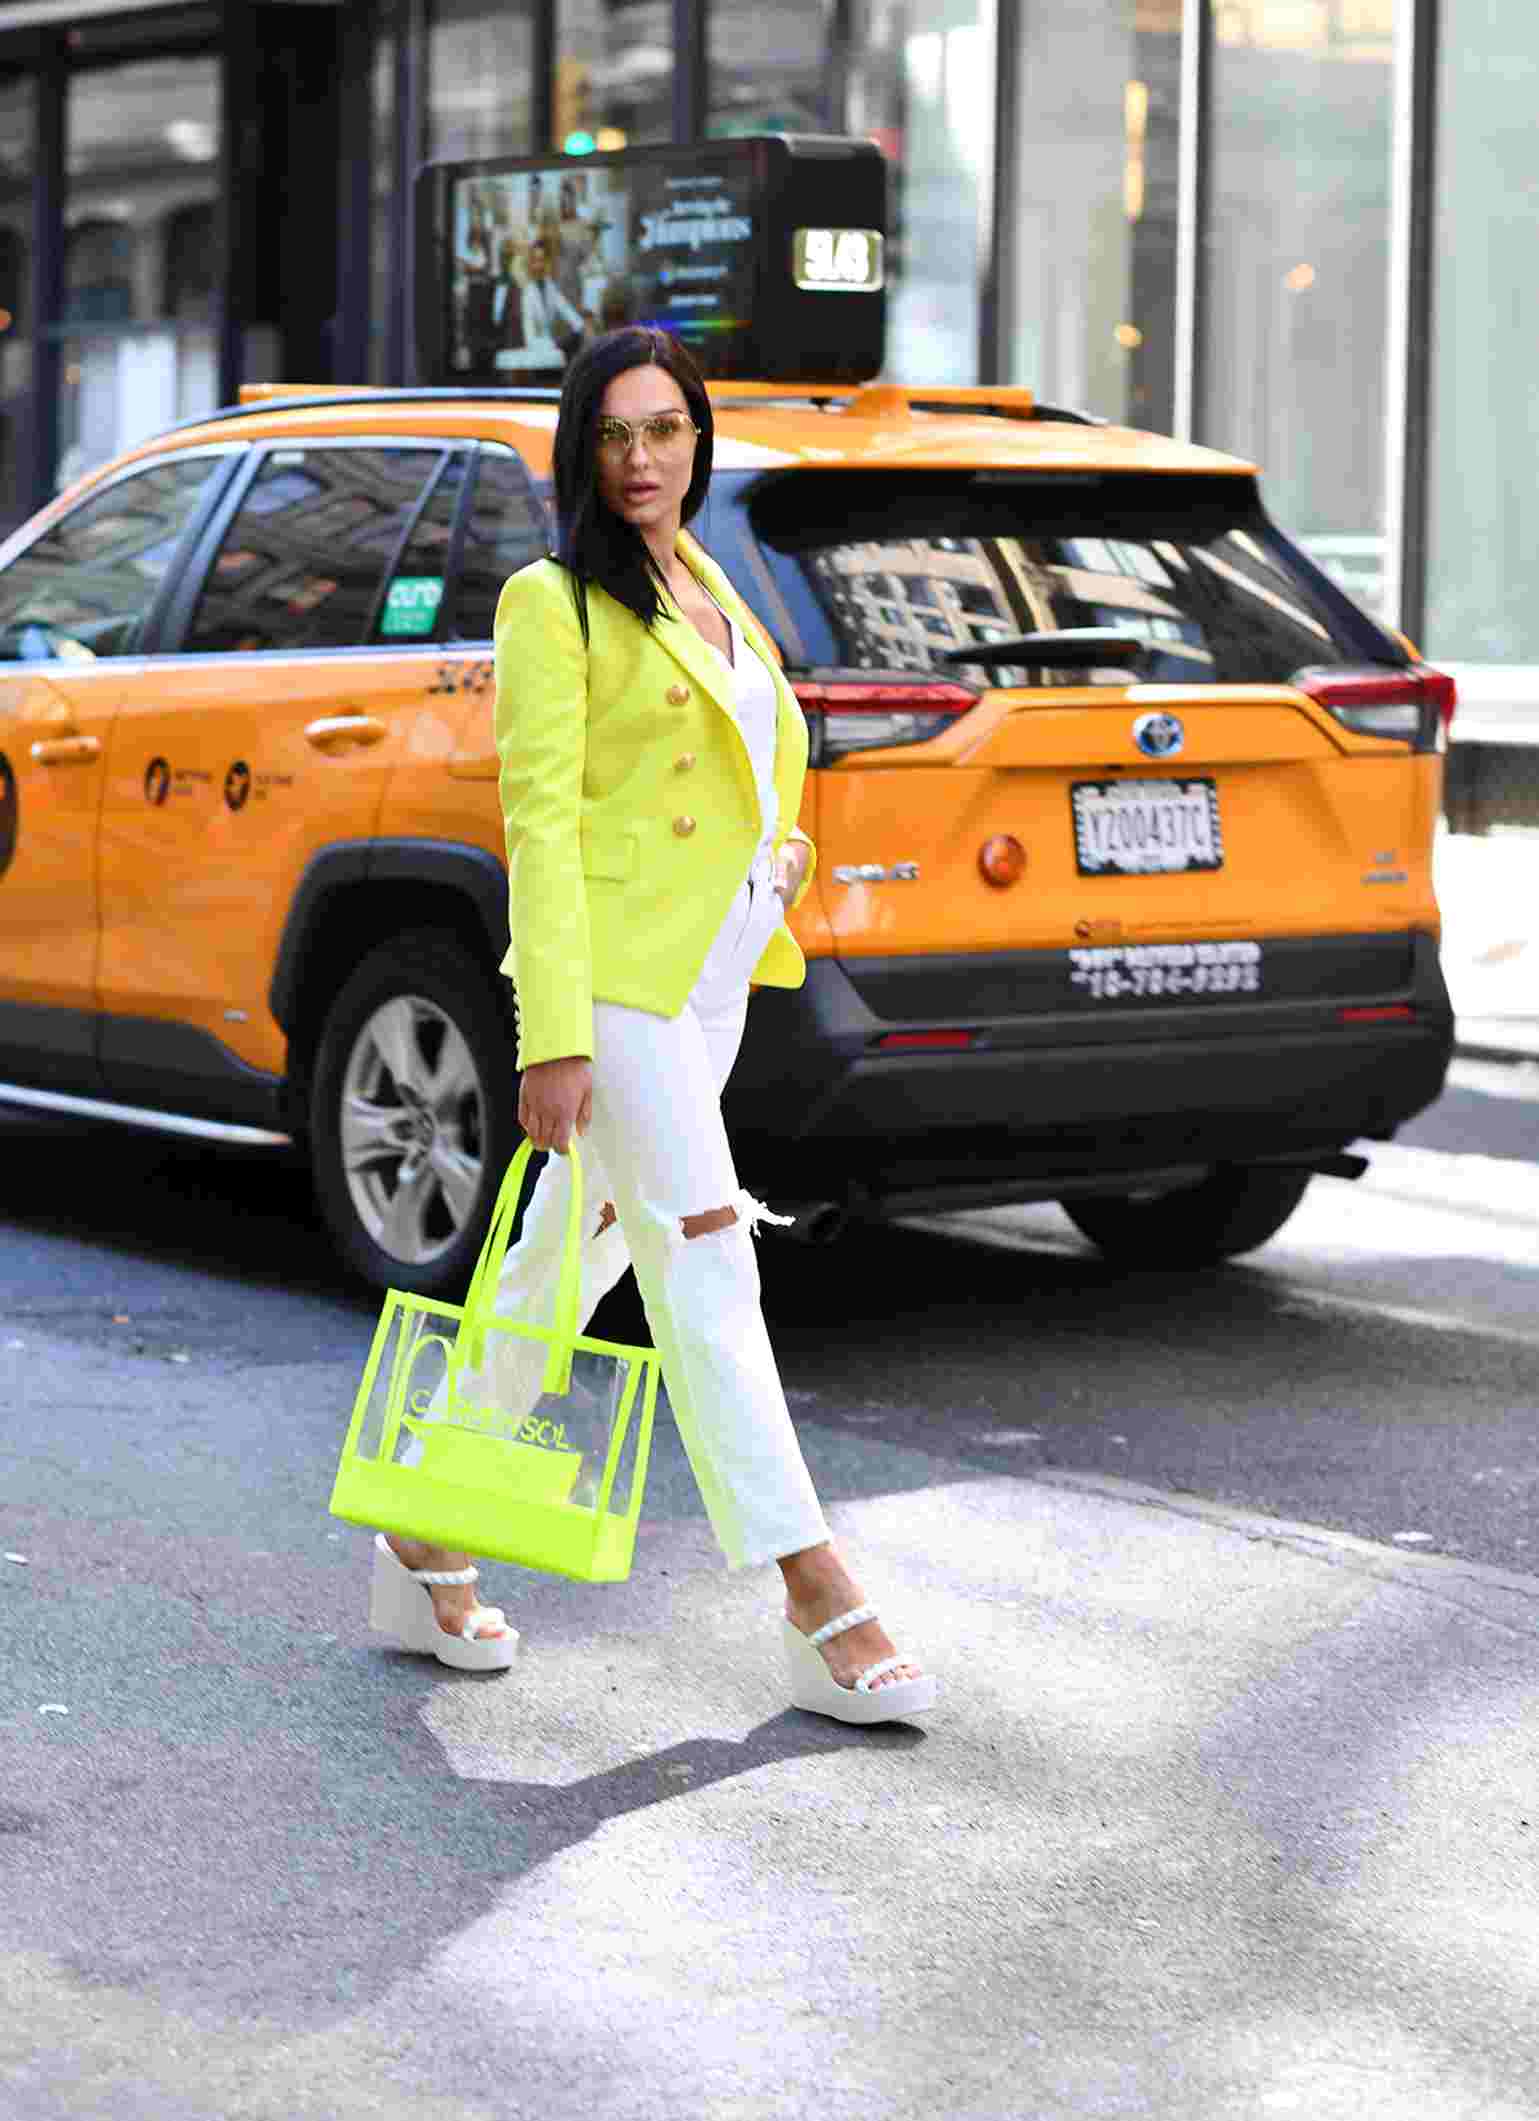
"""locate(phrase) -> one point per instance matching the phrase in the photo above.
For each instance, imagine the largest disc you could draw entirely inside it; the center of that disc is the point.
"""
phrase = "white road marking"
(1303, 1298)
(1414, 1206)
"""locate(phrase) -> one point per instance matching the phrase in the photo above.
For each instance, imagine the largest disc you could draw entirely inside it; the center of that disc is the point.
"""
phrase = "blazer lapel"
(686, 645)
(791, 724)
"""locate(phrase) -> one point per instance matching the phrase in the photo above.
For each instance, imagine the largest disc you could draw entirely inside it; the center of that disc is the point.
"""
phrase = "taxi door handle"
(344, 729)
(66, 750)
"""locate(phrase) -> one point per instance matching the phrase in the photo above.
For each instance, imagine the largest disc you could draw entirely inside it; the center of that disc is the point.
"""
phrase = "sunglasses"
(663, 432)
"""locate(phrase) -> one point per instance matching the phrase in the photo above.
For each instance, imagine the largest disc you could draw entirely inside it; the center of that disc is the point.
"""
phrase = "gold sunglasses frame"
(635, 430)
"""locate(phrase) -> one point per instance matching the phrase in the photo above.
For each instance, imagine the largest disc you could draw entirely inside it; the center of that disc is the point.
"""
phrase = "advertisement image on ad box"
(529, 261)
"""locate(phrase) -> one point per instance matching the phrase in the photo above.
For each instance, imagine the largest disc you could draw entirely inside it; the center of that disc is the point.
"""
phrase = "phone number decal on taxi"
(1130, 971)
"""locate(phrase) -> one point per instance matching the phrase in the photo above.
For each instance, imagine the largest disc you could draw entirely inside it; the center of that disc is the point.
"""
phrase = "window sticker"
(411, 607)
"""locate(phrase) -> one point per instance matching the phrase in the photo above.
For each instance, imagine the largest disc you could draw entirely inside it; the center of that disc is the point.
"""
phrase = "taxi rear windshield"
(871, 571)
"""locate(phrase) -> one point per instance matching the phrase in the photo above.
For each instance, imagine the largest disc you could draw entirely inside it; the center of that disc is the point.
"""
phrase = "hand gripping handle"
(481, 1296)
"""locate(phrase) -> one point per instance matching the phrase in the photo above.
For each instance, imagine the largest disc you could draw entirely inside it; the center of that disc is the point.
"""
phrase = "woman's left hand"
(790, 868)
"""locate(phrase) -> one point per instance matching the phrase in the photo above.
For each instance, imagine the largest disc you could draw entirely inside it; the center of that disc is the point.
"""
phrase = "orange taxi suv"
(1124, 814)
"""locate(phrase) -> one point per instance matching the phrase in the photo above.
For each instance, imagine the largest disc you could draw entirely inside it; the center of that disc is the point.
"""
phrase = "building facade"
(1301, 230)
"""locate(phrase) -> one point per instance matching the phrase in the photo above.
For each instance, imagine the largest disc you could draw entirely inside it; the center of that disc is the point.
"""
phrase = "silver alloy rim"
(413, 1129)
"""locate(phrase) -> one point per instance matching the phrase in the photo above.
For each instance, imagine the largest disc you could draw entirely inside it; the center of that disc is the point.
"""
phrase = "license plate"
(1146, 828)
(1132, 972)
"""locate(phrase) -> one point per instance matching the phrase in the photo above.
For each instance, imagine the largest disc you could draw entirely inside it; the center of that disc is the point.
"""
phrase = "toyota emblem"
(1158, 736)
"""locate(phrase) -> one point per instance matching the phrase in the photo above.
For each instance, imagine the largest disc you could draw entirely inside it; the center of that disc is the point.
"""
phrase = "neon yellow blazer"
(629, 803)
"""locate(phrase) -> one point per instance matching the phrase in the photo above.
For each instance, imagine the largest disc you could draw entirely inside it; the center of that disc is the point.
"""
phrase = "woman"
(652, 766)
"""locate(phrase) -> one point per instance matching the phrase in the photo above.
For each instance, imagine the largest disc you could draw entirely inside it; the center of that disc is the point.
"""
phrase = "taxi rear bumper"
(1044, 1101)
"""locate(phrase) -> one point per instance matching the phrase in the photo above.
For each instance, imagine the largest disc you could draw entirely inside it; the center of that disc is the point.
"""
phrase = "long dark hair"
(597, 545)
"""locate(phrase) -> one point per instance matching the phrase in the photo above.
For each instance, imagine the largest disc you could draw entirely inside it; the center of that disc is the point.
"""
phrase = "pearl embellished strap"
(443, 1575)
(854, 1619)
(482, 1616)
(873, 1672)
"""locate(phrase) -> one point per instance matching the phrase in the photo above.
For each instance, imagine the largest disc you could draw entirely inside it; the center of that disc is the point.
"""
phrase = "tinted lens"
(666, 430)
(663, 431)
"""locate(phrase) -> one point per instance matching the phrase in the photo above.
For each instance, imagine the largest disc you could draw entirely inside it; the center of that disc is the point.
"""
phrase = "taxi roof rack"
(257, 398)
(253, 396)
(899, 400)
(861, 400)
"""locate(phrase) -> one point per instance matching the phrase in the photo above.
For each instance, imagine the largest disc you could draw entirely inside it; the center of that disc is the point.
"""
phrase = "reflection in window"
(1483, 526)
(413, 606)
(773, 69)
(505, 530)
(17, 159)
(98, 273)
(142, 170)
(385, 289)
(1297, 268)
(614, 78)
(921, 82)
(304, 563)
(191, 266)
(480, 60)
(1207, 585)
(1093, 272)
(85, 586)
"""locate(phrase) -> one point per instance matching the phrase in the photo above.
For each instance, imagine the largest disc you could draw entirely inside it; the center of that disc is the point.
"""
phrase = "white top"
(756, 712)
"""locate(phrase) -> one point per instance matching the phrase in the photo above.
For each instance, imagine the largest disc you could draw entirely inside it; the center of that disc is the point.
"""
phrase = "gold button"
(677, 695)
(683, 826)
(684, 762)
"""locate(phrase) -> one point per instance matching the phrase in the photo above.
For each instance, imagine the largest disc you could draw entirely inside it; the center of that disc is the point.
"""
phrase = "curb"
(1489, 1039)
(1438, 1575)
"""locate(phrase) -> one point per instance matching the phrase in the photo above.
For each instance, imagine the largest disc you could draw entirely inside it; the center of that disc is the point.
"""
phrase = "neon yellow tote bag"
(499, 1436)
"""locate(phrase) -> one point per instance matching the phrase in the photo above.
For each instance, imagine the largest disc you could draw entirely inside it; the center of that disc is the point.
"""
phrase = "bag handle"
(481, 1297)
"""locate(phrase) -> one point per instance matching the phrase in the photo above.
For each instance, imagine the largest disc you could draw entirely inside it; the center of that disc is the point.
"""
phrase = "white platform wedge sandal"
(401, 1605)
(814, 1687)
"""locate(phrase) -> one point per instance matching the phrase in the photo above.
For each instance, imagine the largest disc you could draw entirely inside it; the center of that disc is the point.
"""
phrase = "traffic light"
(572, 115)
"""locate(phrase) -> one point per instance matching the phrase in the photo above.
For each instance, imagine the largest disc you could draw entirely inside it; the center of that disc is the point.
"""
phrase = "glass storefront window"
(480, 72)
(773, 69)
(1296, 267)
(140, 277)
(614, 75)
(17, 156)
(385, 289)
(1093, 272)
(922, 82)
(1483, 528)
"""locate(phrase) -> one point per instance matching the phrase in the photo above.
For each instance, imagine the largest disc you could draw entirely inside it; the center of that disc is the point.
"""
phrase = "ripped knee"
(606, 1218)
(742, 1210)
(709, 1220)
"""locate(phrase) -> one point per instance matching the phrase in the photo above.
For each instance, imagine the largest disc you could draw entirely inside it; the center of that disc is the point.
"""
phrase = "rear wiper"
(1075, 648)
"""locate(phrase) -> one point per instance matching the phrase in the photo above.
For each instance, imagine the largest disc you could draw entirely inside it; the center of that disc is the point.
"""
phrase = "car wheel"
(1232, 1211)
(413, 1112)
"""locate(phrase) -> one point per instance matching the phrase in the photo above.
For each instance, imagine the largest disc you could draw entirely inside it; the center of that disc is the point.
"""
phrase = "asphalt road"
(1229, 1580)
(1371, 1369)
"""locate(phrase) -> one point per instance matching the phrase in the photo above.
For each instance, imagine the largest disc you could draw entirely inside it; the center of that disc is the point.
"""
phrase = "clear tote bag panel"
(502, 1436)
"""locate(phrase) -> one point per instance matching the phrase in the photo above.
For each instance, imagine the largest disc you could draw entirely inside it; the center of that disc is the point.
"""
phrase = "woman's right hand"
(556, 1101)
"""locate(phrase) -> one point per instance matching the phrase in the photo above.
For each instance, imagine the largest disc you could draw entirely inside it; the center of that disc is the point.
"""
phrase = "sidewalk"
(1224, 1817)
(1488, 889)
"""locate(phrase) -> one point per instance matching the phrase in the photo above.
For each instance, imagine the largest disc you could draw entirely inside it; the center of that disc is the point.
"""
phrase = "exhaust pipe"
(818, 1222)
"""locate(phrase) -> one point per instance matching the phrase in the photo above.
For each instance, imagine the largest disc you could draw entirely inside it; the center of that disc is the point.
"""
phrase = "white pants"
(658, 1150)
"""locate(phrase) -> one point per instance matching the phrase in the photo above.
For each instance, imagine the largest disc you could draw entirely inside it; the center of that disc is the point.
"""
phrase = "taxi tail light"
(1414, 704)
(860, 713)
(926, 1041)
(1378, 1013)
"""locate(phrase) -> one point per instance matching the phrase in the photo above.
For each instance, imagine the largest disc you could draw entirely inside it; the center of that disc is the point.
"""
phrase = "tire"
(414, 1074)
(1232, 1211)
